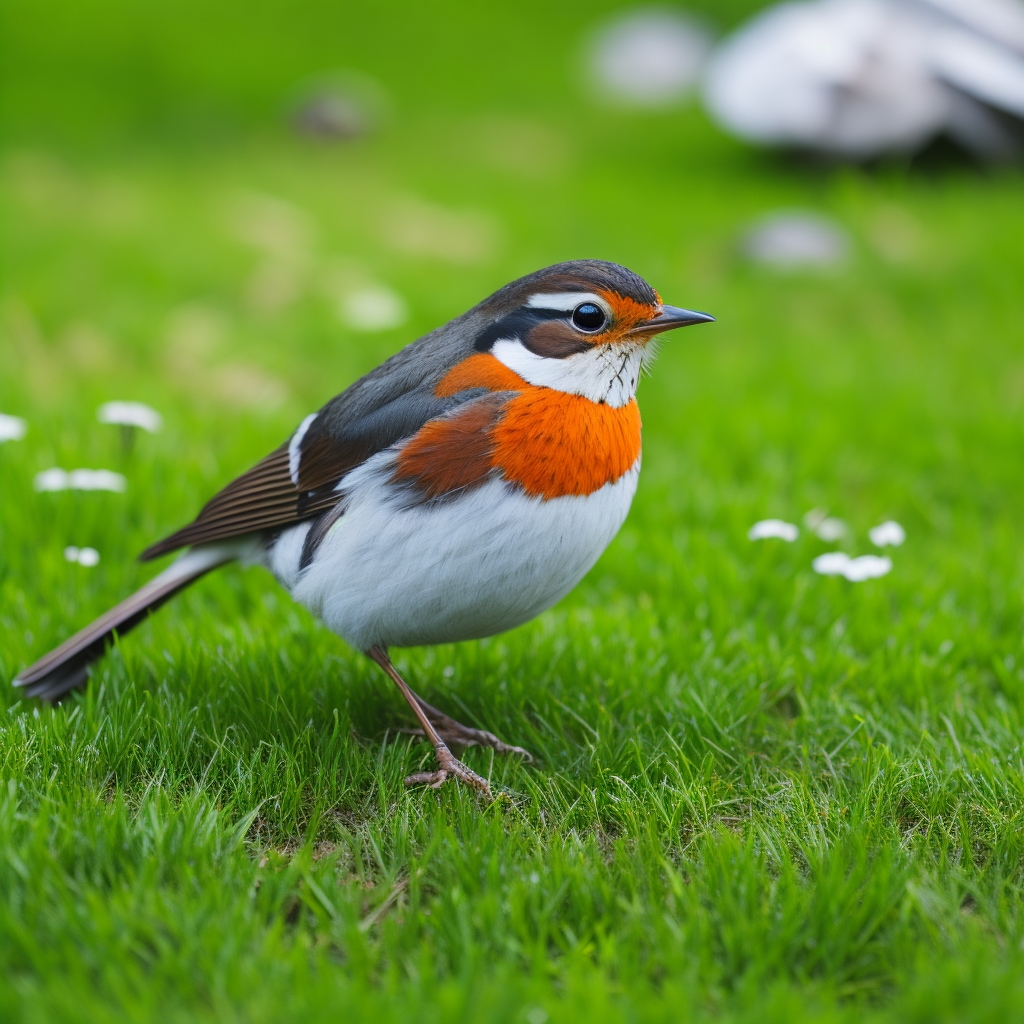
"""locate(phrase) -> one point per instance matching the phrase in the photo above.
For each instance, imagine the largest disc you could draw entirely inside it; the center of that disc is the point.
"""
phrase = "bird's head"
(583, 327)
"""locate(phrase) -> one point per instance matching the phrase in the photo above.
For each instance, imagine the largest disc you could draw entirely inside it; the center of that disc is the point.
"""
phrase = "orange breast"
(550, 443)
(554, 444)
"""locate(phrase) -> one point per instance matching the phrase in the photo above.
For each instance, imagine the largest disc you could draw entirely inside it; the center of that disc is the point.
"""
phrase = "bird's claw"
(480, 738)
(449, 767)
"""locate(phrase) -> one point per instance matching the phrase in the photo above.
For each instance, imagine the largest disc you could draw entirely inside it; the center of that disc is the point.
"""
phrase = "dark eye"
(588, 317)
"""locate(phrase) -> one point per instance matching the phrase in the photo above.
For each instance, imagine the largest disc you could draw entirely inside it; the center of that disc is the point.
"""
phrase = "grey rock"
(648, 57)
(795, 239)
(860, 78)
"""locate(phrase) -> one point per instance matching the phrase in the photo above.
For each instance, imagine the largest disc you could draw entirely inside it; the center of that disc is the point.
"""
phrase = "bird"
(456, 491)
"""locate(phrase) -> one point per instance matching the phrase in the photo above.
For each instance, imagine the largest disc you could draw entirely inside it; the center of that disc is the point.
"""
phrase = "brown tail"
(67, 666)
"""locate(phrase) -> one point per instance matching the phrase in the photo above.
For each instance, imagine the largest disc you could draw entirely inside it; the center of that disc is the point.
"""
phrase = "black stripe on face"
(539, 330)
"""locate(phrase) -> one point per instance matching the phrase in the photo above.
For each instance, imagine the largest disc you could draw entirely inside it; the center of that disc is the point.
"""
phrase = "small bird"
(456, 491)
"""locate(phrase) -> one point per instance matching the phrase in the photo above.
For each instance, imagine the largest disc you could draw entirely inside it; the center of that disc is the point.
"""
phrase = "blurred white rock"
(12, 428)
(842, 76)
(1000, 20)
(774, 528)
(130, 414)
(83, 556)
(372, 308)
(57, 479)
(795, 239)
(887, 534)
(859, 78)
(866, 567)
(647, 57)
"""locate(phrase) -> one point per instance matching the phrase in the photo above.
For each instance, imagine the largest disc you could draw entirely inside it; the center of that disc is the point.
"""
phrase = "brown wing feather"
(261, 499)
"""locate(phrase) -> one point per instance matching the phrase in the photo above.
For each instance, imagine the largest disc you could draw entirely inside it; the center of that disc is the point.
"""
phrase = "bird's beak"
(669, 319)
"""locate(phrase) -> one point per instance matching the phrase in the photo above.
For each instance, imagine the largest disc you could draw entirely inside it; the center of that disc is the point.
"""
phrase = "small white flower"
(828, 528)
(376, 308)
(51, 480)
(83, 556)
(96, 480)
(814, 517)
(866, 567)
(887, 533)
(831, 529)
(130, 414)
(57, 479)
(834, 563)
(12, 428)
(88, 557)
(779, 528)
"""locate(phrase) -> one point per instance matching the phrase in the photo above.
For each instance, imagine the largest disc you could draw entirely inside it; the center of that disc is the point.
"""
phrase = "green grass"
(760, 794)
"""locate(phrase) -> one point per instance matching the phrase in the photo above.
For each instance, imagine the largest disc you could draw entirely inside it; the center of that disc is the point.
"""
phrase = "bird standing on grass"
(457, 491)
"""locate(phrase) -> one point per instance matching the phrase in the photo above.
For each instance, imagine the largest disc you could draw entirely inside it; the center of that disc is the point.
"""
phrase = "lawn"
(760, 794)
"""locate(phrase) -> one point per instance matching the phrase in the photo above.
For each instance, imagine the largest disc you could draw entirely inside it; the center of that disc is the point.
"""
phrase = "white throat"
(605, 373)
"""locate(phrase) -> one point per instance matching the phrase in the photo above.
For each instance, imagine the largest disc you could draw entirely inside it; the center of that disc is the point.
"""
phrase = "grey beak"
(670, 318)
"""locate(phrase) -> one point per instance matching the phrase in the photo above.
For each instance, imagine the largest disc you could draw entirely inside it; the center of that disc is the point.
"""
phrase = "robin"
(456, 491)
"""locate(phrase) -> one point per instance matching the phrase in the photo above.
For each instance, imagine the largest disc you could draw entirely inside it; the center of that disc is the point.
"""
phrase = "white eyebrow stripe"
(566, 301)
(294, 447)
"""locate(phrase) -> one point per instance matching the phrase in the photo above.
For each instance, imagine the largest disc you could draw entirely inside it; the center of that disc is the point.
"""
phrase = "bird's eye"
(588, 317)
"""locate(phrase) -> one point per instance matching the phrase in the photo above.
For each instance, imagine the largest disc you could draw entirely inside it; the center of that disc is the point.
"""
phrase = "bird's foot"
(455, 734)
(450, 767)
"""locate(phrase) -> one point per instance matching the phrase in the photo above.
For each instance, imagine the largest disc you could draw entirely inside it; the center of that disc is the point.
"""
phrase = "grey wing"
(297, 481)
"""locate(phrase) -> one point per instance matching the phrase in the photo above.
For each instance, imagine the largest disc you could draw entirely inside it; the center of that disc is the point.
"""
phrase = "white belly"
(470, 567)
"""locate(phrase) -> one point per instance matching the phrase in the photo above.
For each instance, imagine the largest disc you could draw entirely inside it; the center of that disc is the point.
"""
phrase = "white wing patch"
(605, 373)
(294, 446)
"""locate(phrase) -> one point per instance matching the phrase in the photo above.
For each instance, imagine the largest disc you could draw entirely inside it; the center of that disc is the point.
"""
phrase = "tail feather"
(66, 667)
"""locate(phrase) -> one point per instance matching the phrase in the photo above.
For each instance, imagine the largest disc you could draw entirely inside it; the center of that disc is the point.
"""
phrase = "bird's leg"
(456, 734)
(448, 764)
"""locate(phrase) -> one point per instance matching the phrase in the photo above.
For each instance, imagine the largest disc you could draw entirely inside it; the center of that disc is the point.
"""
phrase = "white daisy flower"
(774, 528)
(52, 480)
(831, 529)
(82, 556)
(834, 563)
(57, 479)
(130, 414)
(837, 563)
(12, 428)
(886, 534)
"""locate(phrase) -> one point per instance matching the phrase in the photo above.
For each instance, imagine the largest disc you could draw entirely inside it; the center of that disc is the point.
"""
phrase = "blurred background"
(228, 211)
(778, 724)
